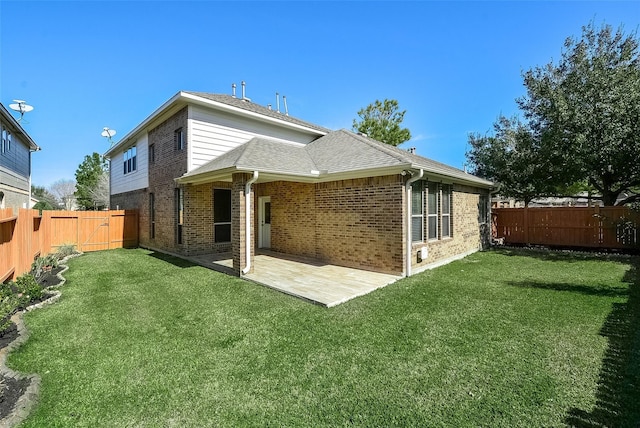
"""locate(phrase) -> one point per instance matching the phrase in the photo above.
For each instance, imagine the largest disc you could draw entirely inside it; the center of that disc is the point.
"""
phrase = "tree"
(381, 121)
(46, 200)
(87, 176)
(64, 190)
(588, 107)
(100, 193)
(515, 158)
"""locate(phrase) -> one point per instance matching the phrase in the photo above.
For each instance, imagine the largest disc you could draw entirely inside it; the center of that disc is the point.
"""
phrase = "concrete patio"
(309, 279)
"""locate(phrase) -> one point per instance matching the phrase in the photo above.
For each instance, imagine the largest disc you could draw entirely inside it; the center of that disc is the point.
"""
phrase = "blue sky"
(453, 66)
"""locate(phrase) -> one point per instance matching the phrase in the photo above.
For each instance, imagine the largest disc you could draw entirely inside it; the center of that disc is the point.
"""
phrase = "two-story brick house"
(218, 173)
(16, 147)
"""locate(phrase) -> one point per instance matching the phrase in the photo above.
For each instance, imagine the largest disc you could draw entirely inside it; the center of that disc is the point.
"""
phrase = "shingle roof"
(264, 155)
(255, 108)
(335, 153)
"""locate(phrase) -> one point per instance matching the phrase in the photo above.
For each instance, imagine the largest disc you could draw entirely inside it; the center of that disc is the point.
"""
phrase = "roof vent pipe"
(233, 90)
(269, 106)
(277, 102)
(244, 98)
(286, 109)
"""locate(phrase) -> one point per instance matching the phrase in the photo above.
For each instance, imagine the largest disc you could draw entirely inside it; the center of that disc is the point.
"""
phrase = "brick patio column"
(238, 222)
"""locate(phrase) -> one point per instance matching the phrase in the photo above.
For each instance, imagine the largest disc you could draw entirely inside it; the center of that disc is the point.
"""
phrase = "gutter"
(408, 189)
(247, 221)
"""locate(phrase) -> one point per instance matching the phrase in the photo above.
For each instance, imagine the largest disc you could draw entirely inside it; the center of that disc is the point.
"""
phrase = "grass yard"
(500, 339)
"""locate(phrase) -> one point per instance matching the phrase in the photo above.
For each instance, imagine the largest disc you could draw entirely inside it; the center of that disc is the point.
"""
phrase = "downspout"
(247, 221)
(408, 188)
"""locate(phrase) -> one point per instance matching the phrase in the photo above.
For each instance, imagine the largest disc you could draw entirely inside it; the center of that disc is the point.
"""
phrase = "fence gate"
(92, 230)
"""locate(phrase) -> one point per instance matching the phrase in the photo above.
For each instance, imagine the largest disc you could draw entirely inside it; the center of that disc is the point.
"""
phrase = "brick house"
(212, 173)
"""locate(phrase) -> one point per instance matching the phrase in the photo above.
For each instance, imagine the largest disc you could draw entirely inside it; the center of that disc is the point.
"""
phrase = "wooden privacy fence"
(29, 234)
(595, 227)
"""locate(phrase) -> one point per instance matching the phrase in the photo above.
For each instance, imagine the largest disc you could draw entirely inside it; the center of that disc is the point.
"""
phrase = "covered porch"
(306, 278)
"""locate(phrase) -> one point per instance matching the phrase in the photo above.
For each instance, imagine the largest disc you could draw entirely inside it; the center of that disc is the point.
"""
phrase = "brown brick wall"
(356, 223)
(199, 229)
(169, 164)
(293, 217)
(238, 222)
(360, 224)
(466, 231)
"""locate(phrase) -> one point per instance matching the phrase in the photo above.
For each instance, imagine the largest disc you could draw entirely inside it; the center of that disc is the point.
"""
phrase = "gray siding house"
(16, 147)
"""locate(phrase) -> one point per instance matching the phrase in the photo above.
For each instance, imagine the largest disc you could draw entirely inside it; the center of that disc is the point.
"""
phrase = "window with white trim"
(3, 142)
(432, 210)
(417, 211)
(130, 160)
(446, 193)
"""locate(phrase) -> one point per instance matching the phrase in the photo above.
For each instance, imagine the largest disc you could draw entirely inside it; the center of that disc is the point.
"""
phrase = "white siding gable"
(138, 179)
(211, 134)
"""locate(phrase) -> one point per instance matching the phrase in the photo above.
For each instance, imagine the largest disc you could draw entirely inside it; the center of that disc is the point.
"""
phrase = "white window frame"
(433, 190)
(130, 157)
(417, 187)
(448, 190)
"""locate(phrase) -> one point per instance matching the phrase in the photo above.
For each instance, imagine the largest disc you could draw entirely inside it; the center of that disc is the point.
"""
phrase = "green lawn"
(498, 339)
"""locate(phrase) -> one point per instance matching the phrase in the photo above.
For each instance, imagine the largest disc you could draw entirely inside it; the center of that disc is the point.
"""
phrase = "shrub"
(40, 264)
(66, 250)
(29, 287)
(6, 290)
(8, 306)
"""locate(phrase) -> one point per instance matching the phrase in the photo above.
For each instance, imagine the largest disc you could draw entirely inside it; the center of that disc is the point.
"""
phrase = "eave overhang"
(182, 99)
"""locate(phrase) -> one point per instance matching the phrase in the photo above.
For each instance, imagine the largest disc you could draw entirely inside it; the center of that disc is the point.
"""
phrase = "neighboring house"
(15, 163)
(215, 173)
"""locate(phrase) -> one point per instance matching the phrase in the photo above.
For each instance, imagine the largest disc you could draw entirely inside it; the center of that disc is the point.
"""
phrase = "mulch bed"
(12, 389)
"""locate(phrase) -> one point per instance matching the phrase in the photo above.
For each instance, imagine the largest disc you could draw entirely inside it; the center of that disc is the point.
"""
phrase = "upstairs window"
(178, 139)
(130, 160)
(152, 153)
(4, 141)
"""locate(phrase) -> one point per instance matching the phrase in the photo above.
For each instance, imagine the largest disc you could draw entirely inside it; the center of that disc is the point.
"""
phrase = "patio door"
(264, 216)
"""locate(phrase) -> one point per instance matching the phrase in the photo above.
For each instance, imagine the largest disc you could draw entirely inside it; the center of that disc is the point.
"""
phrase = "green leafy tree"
(88, 176)
(381, 121)
(588, 107)
(515, 157)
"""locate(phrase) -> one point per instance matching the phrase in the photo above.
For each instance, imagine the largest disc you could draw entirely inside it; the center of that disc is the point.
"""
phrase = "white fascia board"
(443, 176)
(143, 125)
(242, 112)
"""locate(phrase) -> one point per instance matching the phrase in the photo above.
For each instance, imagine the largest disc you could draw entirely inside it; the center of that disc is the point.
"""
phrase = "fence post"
(597, 226)
(525, 221)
